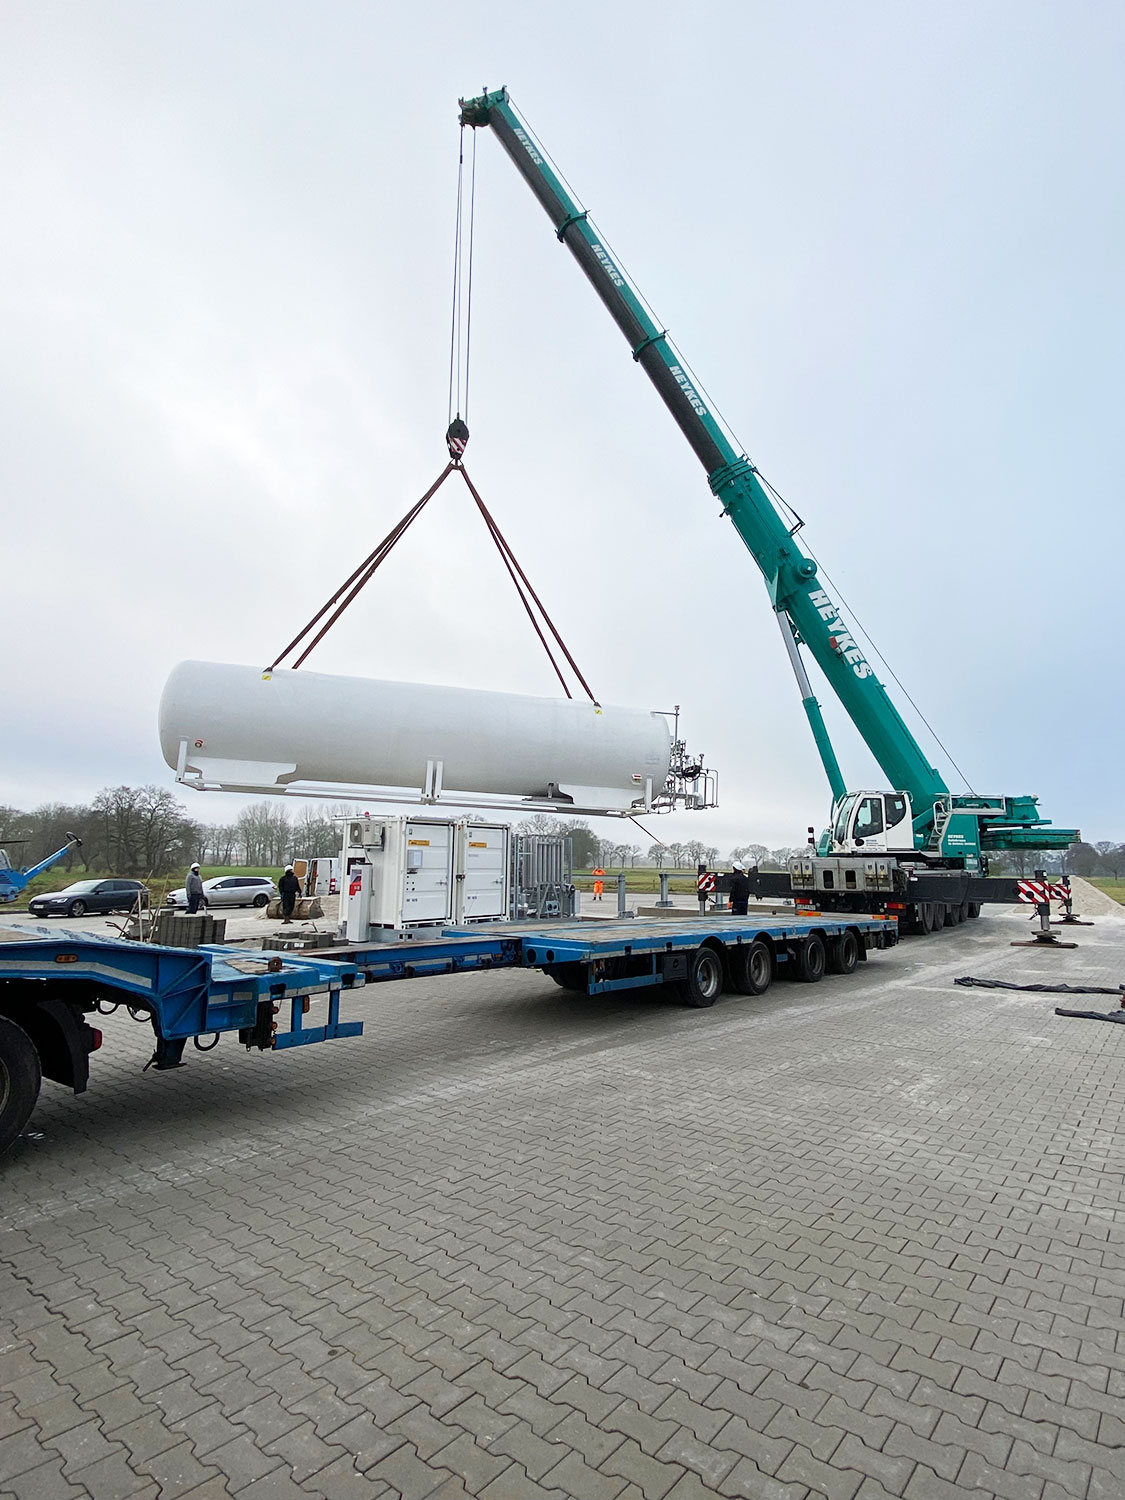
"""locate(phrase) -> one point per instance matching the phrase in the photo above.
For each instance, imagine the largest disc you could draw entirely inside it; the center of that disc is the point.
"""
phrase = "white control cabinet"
(399, 873)
(405, 873)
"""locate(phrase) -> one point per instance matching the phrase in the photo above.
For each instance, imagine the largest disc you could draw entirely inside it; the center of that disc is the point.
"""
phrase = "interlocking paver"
(747, 1482)
(652, 1477)
(710, 1463)
(176, 1471)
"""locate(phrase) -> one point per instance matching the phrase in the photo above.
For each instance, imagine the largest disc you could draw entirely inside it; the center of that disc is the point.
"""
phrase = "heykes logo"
(689, 390)
(840, 639)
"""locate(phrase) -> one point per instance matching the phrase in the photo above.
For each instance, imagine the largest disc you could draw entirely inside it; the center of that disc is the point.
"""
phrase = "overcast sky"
(887, 236)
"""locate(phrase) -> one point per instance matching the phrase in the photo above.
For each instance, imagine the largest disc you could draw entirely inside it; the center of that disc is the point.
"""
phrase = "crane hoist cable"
(461, 322)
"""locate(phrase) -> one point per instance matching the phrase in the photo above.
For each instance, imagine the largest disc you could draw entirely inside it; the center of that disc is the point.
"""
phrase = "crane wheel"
(972, 910)
(20, 1077)
(751, 968)
(843, 954)
(704, 982)
(811, 959)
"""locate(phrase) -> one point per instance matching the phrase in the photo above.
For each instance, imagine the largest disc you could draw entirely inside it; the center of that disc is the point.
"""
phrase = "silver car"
(229, 890)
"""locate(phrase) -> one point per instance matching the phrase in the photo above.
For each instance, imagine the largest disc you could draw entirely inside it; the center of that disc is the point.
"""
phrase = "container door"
(427, 892)
(485, 893)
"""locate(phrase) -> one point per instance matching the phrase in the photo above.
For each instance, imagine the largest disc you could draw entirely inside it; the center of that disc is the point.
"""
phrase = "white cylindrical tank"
(237, 726)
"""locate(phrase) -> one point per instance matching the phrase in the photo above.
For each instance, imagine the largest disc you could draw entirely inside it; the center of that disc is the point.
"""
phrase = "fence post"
(664, 889)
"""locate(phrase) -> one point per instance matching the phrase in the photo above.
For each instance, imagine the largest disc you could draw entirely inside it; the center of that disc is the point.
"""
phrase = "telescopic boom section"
(806, 614)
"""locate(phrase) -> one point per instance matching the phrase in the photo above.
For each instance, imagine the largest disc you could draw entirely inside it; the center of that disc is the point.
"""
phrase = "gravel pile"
(1090, 902)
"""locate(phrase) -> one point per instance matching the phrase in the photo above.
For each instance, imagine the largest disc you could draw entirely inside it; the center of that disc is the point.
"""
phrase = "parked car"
(90, 896)
(230, 890)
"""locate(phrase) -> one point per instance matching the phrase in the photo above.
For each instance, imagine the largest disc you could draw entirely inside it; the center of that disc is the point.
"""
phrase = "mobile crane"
(920, 851)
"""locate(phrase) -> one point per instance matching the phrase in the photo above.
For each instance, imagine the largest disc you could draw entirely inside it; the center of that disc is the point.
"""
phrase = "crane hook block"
(456, 439)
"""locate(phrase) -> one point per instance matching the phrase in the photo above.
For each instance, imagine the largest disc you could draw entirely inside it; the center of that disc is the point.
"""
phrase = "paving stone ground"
(854, 1240)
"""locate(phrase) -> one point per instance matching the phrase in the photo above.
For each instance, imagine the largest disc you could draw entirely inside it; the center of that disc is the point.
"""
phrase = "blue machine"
(14, 882)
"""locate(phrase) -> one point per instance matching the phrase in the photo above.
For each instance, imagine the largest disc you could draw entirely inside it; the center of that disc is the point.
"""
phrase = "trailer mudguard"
(62, 1039)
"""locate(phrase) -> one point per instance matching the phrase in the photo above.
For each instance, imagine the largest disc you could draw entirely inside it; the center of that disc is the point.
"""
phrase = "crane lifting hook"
(456, 439)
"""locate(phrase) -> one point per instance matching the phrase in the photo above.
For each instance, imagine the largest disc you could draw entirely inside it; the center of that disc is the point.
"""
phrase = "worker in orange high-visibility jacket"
(599, 887)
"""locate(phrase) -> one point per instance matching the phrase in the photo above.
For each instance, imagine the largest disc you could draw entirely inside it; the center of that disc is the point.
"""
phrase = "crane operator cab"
(871, 822)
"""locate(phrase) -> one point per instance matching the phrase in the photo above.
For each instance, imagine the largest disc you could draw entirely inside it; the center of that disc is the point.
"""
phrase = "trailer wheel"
(20, 1076)
(933, 916)
(751, 968)
(571, 977)
(972, 910)
(811, 959)
(843, 953)
(704, 982)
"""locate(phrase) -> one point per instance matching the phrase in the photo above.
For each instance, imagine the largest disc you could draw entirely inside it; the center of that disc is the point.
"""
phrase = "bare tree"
(144, 830)
(750, 854)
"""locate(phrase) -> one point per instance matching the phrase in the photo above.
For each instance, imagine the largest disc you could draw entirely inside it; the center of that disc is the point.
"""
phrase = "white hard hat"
(288, 869)
(195, 867)
(738, 865)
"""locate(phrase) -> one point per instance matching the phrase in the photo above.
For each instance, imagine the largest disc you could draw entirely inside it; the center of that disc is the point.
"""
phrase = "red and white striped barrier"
(1034, 891)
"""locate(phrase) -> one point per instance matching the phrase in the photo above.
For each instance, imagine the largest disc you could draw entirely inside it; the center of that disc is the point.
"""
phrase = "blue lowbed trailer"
(51, 980)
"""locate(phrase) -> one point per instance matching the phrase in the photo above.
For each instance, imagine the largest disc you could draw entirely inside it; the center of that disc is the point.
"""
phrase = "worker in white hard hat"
(193, 887)
(739, 889)
(289, 888)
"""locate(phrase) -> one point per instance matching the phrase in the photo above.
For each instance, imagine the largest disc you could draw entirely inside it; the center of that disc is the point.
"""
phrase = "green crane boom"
(806, 614)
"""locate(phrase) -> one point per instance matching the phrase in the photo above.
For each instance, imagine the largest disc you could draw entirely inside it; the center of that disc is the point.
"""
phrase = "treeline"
(589, 851)
(1105, 858)
(145, 831)
(124, 831)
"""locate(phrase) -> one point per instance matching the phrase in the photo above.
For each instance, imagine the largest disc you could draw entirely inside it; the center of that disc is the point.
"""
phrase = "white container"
(237, 727)
(483, 872)
(404, 868)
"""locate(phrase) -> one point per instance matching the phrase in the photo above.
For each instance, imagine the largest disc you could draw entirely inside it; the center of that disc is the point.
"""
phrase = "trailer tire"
(751, 968)
(933, 916)
(20, 1077)
(972, 910)
(811, 959)
(704, 982)
(843, 953)
(571, 977)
